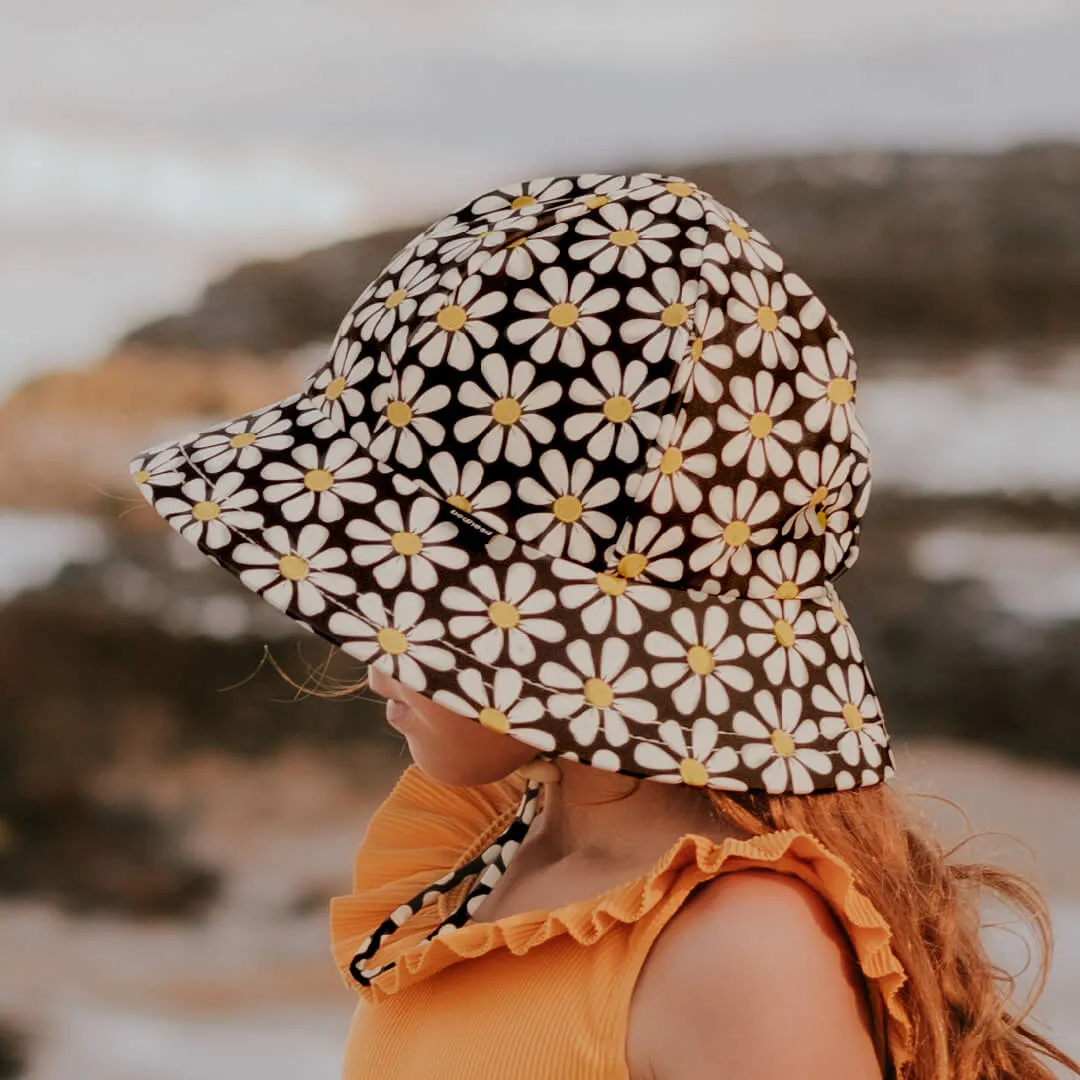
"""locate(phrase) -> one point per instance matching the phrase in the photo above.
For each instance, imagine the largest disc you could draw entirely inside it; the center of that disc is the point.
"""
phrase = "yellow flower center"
(563, 315)
(736, 533)
(567, 508)
(335, 389)
(693, 772)
(633, 564)
(406, 543)
(623, 237)
(680, 190)
(245, 438)
(760, 425)
(767, 319)
(460, 502)
(318, 480)
(494, 720)
(782, 743)
(522, 201)
(700, 659)
(671, 461)
(141, 476)
(675, 315)
(596, 201)
(392, 641)
(618, 409)
(784, 632)
(205, 511)
(852, 716)
(697, 347)
(786, 590)
(823, 518)
(395, 298)
(819, 496)
(293, 567)
(398, 414)
(506, 411)
(505, 616)
(516, 243)
(598, 693)
(611, 584)
(840, 391)
(739, 231)
(452, 318)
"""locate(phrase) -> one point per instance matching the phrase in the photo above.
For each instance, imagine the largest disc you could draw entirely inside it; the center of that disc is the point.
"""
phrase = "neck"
(608, 818)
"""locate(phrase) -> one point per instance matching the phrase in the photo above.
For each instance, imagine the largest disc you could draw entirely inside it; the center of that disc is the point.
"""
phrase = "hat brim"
(625, 673)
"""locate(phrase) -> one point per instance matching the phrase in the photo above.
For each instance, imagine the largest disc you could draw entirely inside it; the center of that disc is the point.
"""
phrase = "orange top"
(544, 995)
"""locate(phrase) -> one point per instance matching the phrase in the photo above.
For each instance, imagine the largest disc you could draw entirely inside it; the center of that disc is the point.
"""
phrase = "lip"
(396, 711)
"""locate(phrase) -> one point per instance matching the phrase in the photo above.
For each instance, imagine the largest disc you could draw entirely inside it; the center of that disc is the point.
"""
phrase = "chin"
(463, 769)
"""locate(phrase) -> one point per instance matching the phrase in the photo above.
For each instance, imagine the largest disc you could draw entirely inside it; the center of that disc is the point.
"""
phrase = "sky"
(148, 144)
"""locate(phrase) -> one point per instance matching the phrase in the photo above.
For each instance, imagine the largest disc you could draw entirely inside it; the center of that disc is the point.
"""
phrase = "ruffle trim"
(425, 828)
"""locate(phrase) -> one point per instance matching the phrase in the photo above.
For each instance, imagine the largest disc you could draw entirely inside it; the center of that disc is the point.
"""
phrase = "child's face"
(449, 747)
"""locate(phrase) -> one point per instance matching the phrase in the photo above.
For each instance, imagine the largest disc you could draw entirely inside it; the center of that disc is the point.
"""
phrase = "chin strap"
(490, 864)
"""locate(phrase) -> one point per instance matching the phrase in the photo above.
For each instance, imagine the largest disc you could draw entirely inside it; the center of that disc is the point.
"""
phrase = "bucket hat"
(582, 465)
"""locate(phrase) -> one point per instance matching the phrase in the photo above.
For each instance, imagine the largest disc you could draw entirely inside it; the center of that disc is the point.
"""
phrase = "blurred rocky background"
(174, 813)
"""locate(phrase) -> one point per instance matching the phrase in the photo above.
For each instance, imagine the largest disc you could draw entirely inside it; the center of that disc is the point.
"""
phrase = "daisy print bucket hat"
(583, 465)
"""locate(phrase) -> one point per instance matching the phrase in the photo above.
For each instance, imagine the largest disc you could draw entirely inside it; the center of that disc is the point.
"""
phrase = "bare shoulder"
(753, 977)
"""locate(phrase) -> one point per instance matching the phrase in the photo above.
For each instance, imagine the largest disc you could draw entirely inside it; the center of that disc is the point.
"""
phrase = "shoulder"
(752, 977)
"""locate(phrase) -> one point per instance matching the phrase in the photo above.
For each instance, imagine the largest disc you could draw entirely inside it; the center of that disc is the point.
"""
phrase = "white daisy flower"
(607, 597)
(519, 258)
(207, 513)
(475, 246)
(319, 481)
(753, 415)
(812, 313)
(430, 239)
(500, 707)
(592, 695)
(619, 408)
(294, 569)
(610, 185)
(665, 325)
(407, 422)
(736, 524)
(159, 467)
(823, 493)
(671, 193)
(833, 620)
(416, 541)
(760, 307)
(400, 643)
(333, 397)
(829, 382)
(571, 519)
(850, 715)
(696, 660)
(784, 574)
(395, 300)
(784, 755)
(463, 487)
(673, 474)
(784, 633)
(701, 764)
(564, 318)
(455, 322)
(511, 419)
(644, 551)
(243, 442)
(697, 373)
(518, 198)
(741, 239)
(508, 616)
(616, 240)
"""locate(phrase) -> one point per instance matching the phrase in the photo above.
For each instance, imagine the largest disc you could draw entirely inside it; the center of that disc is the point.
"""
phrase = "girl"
(575, 483)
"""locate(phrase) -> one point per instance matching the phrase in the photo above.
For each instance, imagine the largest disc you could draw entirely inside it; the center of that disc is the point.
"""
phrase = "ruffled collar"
(424, 827)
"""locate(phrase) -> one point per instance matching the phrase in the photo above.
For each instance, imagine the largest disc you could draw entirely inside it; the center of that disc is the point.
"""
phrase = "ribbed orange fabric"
(544, 995)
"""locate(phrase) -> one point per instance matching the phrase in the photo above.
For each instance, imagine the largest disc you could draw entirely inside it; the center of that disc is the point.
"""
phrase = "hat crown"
(619, 371)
